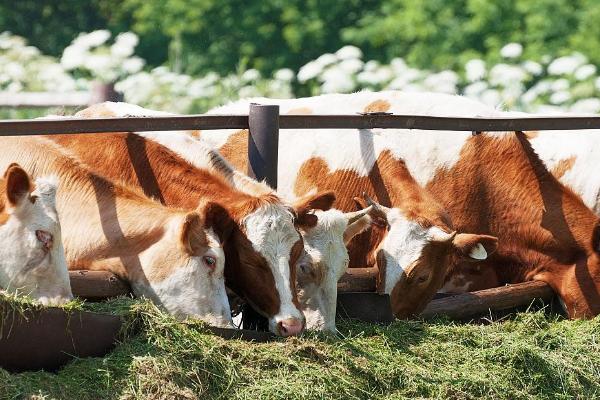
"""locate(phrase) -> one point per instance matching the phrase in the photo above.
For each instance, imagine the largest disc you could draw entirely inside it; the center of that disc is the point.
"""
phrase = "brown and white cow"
(325, 258)
(32, 258)
(413, 241)
(265, 244)
(490, 182)
(171, 256)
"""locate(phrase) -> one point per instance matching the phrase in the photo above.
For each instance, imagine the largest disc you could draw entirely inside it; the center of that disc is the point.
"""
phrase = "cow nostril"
(290, 327)
(282, 329)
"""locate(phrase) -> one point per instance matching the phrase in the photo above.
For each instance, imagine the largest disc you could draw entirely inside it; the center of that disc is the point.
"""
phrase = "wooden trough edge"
(474, 304)
(102, 284)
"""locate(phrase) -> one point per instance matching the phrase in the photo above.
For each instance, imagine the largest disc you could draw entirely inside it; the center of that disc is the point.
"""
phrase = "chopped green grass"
(528, 356)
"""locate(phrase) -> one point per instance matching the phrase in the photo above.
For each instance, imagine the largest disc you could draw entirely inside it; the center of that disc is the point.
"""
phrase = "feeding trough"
(34, 338)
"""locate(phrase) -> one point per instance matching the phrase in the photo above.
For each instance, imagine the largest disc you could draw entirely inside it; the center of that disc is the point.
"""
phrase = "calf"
(32, 259)
(171, 256)
(487, 182)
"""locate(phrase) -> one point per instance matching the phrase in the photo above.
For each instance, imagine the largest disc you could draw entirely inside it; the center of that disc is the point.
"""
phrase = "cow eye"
(33, 198)
(209, 261)
(306, 267)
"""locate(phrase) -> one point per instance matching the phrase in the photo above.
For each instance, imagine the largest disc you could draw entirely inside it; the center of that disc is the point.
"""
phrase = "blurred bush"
(198, 36)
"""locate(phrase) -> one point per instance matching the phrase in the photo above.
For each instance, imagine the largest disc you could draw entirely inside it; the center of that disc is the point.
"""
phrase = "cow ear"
(193, 237)
(475, 247)
(217, 218)
(18, 184)
(320, 201)
(596, 238)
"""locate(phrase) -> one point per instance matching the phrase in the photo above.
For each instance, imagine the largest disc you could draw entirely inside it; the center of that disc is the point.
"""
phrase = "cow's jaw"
(190, 288)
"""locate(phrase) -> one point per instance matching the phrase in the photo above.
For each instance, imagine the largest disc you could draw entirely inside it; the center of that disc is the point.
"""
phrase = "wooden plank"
(358, 280)
(470, 305)
(97, 284)
(44, 99)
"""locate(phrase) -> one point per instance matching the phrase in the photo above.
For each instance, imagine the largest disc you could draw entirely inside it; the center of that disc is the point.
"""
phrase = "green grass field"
(528, 356)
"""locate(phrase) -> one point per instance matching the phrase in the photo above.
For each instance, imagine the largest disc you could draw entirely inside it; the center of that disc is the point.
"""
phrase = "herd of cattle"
(171, 213)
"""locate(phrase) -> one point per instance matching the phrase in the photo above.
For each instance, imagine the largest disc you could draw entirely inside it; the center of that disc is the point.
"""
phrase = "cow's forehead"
(271, 228)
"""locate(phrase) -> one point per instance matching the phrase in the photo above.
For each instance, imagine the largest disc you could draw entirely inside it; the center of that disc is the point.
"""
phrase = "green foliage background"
(195, 36)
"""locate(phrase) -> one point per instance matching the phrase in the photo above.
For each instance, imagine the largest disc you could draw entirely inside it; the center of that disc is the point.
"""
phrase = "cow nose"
(290, 327)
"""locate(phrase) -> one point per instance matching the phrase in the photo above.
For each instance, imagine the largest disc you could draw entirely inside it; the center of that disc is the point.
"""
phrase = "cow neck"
(99, 219)
(500, 187)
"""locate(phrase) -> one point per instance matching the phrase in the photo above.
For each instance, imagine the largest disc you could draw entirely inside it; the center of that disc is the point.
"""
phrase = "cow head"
(324, 262)
(32, 259)
(184, 272)
(415, 254)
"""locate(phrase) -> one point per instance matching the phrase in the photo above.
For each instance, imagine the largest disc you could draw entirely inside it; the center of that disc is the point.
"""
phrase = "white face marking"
(27, 265)
(271, 231)
(403, 245)
(326, 256)
(193, 289)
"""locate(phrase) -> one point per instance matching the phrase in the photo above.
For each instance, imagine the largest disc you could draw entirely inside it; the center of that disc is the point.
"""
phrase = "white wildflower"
(309, 71)
(560, 97)
(335, 81)
(248, 91)
(127, 39)
(73, 57)
(326, 59)
(351, 66)
(533, 67)
(348, 52)
(475, 70)
(284, 74)
(250, 75)
(371, 65)
(587, 106)
(585, 71)
(133, 65)
(475, 89)
(384, 74)
(504, 74)
(491, 97)
(398, 65)
(560, 85)
(92, 39)
(368, 78)
(566, 65)
(444, 82)
(511, 50)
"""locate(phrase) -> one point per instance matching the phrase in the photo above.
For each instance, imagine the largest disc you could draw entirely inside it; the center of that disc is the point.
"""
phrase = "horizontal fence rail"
(368, 121)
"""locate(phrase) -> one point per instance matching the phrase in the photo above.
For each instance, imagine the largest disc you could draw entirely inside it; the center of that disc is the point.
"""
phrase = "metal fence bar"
(263, 142)
(207, 122)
